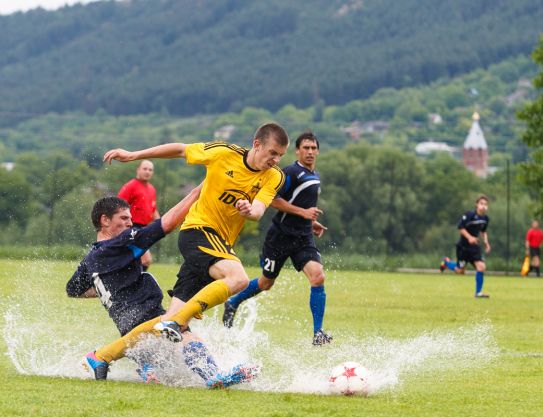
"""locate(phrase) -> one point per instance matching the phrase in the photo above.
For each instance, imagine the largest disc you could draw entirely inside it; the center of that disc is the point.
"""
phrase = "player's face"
(482, 207)
(145, 171)
(267, 154)
(118, 223)
(307, 153)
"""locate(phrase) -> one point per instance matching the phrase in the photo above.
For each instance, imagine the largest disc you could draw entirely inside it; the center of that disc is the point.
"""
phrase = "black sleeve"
(80, 281)
(141, 238)
(485, 226)
(464, 220)
(287, 185)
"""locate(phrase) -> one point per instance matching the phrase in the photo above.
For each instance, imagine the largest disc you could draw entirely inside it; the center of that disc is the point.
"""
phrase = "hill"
(183, 57)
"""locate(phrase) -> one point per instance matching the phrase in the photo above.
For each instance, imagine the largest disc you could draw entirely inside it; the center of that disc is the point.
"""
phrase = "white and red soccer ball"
(349, 378)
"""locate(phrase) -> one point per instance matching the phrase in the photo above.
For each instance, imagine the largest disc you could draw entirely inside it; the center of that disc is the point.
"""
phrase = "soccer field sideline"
(396, 317)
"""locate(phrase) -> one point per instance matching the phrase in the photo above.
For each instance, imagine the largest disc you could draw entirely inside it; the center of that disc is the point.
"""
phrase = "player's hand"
(312, 213)
(244, 207)
(487, 247)
(118, 155)
(318, 229)
(473, 240)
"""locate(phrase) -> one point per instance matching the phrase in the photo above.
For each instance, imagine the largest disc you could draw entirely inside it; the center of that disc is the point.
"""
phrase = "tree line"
(376, 200)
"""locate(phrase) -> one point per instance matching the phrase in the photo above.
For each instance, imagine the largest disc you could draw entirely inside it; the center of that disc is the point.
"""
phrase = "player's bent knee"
(242, 282)
(317, 279)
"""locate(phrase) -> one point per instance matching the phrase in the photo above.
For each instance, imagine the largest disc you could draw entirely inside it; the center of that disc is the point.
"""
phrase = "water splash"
(295, 366)
(50, 337)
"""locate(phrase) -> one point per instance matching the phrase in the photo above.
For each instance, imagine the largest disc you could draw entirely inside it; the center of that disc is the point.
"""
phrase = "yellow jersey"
(228, 179)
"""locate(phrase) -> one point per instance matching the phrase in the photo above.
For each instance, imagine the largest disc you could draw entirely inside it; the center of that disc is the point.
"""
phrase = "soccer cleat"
(443, 265)
(237, 375)
(228, 315)
(170, 330)
(95, 366)
(482, 295)
(147, 374)
(321, 338)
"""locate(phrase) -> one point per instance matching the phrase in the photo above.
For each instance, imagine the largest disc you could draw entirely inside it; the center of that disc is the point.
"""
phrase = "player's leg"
(535, 255)
(308, 259)
(275, 252)
(99, 360)
(255, 287)
(461, 260)
(447, 263)
(230, 278)
(480, 268)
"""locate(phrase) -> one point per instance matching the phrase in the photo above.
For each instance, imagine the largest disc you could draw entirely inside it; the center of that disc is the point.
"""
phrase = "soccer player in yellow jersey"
(239, 185)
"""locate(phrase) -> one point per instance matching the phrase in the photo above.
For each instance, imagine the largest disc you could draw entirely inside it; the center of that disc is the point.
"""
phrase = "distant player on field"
(534, 238)
(240, 183)
(141, 196)
(112, 272)
(291, 236)
(472, 225)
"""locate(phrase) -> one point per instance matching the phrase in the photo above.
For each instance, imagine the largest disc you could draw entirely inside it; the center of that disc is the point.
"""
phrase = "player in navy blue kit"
(113, 272)
(291, 236)
(472, 225)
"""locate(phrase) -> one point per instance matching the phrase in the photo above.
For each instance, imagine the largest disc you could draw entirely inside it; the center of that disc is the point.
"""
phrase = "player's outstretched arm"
(168, 150)
(311, 213)
(175, 216)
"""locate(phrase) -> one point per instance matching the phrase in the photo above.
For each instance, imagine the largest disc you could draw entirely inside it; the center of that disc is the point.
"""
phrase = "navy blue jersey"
(113, 267)
(301, 188)
(474, 224)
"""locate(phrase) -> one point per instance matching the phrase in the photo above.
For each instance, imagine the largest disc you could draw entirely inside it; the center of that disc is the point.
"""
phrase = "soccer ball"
(349, 378)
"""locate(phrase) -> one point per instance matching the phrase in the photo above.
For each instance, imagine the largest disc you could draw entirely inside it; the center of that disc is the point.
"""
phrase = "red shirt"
(142, 199)
(534, 237)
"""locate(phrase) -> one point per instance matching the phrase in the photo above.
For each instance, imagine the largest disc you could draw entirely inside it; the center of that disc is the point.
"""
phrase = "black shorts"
(535, 252)
(201, 248)
(471, 254)
(278, 247)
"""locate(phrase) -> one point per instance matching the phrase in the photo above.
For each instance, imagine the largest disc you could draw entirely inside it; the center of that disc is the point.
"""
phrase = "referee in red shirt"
(140, 194)
(534, 237)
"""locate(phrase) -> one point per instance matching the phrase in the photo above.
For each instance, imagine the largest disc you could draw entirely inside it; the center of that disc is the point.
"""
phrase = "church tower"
(475, 151)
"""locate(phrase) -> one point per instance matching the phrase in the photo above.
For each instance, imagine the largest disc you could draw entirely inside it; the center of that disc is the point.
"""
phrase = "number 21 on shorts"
(269, 265)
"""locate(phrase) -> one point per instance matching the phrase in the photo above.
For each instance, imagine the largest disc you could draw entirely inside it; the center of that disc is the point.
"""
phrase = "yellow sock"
(210, 296)
(117, 349)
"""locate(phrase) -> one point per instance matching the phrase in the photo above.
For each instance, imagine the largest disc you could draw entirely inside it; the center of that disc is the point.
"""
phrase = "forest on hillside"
(441, 111)
(182, 57)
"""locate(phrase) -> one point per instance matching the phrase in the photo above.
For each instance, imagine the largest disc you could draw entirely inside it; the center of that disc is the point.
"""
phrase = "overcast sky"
(11, 6)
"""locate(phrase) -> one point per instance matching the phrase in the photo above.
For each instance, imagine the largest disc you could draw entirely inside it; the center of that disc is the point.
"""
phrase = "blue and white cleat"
(147, 374)
(170, 330)
(95, 366)
(321, 338)
(237, 375)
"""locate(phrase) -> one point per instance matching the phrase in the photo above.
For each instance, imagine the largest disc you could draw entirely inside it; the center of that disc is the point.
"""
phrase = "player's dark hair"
(272, 130)
(307, 135)
(481, 197)
(108, 206)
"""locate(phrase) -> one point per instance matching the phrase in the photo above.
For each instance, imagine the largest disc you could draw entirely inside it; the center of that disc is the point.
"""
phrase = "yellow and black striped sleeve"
(275, 180)
(205, 153)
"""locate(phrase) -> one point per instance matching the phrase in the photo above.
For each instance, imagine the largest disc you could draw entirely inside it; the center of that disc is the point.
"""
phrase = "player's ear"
(104, 220)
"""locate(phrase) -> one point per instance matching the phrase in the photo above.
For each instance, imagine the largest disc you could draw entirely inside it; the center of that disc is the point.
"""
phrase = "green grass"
(363, 307)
